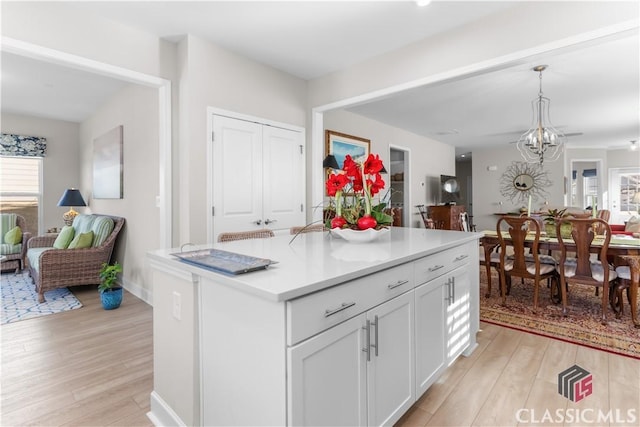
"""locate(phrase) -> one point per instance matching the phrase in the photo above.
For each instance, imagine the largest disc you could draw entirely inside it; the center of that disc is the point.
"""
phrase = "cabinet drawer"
(430, 267)
(314, 313)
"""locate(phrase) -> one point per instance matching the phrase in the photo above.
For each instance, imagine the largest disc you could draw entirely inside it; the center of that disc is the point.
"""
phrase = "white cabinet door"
(327, 377)
(258, 176)
(458, 313)
(391, 370)
(430, 331)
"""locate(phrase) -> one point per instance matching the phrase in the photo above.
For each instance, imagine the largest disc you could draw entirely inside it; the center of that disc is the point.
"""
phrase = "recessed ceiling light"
(422, 3)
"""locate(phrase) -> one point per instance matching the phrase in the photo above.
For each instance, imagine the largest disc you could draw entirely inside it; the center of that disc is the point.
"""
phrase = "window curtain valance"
(22, 145)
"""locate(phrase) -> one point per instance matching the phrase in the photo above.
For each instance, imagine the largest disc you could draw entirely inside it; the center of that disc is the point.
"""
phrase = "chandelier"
(541, 142)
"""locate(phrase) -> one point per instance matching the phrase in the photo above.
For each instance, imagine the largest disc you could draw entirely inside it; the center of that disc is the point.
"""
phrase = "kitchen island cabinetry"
(334, 333)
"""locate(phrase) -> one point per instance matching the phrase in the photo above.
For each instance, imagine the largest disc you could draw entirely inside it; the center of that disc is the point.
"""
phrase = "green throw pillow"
(82, 240)
(64, 238)
(13, 236)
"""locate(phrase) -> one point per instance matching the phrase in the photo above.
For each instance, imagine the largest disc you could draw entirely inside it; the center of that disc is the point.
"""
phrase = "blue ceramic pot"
(111, 299)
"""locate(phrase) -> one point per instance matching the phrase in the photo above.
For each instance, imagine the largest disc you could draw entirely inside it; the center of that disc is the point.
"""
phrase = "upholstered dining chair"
(245, 235)
(622, 283)
(581, 269)
(603, 214)
(494, 261)
(531, 265)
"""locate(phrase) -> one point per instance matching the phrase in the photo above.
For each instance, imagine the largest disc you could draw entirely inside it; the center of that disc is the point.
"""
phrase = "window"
(21, 189)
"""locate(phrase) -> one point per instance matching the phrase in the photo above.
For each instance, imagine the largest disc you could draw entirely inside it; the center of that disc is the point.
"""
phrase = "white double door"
(258, 176)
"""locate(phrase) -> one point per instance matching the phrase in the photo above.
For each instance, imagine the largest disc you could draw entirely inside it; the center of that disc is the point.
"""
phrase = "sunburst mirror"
(522, 180)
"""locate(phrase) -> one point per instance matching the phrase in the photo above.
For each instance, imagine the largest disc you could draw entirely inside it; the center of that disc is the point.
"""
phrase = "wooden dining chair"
(581, 269)
(523, 264)
(494, 261)
(622, 283)
(245, 235)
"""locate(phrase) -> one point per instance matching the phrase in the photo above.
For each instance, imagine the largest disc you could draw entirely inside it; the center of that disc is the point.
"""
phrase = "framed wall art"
(107, 165)
(340, 144)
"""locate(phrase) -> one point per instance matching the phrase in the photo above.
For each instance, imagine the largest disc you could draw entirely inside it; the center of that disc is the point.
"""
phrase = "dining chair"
(245, 235)
(603, 214)
(307, 229)
(622, 283)
(523, 264)
(582, 269)
(494, 261)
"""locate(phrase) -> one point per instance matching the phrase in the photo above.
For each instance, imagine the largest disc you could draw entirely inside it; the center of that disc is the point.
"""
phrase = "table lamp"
(71, 197)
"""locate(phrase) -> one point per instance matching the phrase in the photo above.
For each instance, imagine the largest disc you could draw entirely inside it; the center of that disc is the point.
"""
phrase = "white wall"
(136, 109)
(213, 77)
(428, 158)
(60, 165)
(486, 185)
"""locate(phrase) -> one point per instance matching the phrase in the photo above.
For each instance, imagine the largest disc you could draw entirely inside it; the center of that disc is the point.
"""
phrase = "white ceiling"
(594, 90)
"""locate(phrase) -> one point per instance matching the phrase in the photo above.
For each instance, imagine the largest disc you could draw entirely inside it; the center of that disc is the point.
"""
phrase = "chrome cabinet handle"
(367, 338)
(434, 268)
(258, 221)
(461, 257)
(330, 312)
(448, 297)
(269, 221)
(398, 283)
(377, 325)
(453, 290)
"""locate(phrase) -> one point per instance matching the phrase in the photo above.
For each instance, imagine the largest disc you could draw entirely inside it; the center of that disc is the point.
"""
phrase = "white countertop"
(314, 261)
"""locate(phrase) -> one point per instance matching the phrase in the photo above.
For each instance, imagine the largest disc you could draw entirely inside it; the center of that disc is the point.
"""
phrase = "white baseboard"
(137, 290)
(161, 414)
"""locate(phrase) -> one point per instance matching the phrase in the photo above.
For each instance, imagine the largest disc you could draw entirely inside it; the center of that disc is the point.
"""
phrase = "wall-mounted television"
(449, 189)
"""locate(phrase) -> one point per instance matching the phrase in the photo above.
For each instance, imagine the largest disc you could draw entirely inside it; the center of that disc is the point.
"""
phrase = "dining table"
(623, 250)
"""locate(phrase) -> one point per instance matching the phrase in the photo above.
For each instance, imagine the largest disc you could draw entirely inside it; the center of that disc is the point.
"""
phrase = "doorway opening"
(399, 187)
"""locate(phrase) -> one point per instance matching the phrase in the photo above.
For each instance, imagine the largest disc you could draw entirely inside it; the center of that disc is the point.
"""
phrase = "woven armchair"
(60, 268)
(15, 261)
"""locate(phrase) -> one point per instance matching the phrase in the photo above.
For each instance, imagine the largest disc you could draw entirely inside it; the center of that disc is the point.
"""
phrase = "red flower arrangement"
(353, 189)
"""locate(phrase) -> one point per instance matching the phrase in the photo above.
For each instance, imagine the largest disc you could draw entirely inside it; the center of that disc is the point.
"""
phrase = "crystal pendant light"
(541, 142)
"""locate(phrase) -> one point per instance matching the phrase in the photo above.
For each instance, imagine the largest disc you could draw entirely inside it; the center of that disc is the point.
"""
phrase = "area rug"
(20, 300)
(581, 326)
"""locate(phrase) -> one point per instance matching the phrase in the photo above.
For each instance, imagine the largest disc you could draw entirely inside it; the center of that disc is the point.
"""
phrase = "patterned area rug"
(581, 326)
(20, 300)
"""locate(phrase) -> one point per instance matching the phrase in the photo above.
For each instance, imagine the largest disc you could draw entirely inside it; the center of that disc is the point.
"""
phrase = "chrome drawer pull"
(437, 267)
(461, 257)
(328, 312)
(398, 283)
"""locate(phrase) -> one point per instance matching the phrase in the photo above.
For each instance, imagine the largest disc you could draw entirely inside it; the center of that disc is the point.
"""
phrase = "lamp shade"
(636, 198)
(330, 162)
(71, 197)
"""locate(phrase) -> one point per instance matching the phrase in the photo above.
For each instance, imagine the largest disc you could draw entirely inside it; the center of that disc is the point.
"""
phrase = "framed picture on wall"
(340, 144)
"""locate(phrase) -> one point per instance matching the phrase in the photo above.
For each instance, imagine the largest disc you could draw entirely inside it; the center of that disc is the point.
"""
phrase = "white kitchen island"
(335, 333)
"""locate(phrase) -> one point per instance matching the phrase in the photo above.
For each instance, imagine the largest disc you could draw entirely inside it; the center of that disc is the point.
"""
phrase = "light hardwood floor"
(92, 367)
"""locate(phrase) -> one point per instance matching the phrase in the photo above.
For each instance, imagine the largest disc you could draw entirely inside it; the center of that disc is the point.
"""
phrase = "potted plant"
(550, 223)
(110, 290)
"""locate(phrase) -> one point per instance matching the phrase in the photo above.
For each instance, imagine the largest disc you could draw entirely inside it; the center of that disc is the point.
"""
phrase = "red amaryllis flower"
(372, 165)
(351, 168)
(335, 183)
(375, 185)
